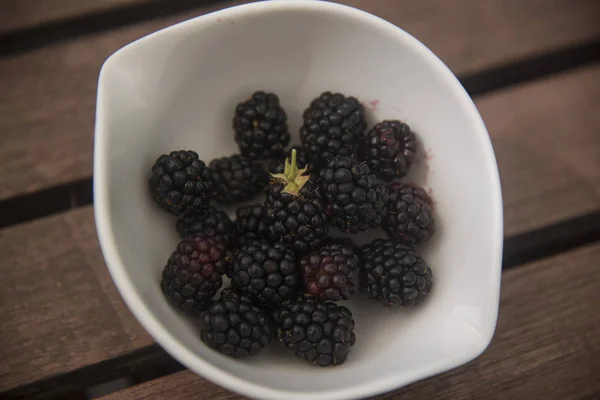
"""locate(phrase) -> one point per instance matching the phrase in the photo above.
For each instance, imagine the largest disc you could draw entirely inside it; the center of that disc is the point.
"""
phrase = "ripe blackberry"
(237, 178)
(249, 224)
(390, 149)
(278, 166)
(333, 126)
(354, 198)
(180, 182)
(294, 212)
(193, 273)
(210, 222)
(330, 272)
(409, 215)
(235, 327)
(321, 333)
(260, 126)
(395, 274)
(265, 271)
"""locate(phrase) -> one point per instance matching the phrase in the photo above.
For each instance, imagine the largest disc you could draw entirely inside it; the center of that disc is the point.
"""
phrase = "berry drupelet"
(321, 333)
(333, 126)
(180, 182)
(193, 273)
(331, 272)
(390, 149)
(266, 272)
(293, 211)
(260, 126)
(211, 222)
(395, 274)
(235, 327)
(409, 215)
(237, 178)
(249, 224)
(354, 197)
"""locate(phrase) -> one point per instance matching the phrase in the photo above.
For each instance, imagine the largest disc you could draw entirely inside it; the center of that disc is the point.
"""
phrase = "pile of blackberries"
(286, 271)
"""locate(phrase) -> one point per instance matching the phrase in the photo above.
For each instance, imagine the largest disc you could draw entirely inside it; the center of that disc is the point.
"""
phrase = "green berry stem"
(293, 177)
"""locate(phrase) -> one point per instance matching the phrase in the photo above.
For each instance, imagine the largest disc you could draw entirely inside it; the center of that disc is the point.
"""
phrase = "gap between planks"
(48, 95)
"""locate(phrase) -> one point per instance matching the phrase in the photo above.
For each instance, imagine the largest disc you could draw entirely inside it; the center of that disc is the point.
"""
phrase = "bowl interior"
(177, 89)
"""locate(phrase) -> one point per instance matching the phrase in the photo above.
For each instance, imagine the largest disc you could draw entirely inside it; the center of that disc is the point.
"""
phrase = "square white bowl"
(177, 89)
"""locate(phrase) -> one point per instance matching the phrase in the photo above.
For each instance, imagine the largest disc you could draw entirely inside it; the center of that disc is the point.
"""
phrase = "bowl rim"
(160, 333)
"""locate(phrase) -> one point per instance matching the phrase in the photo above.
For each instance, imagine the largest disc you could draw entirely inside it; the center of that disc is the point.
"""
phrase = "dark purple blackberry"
(395, 274)
(278, 166)
(193, 273)
(333, 126)
(390, 149)
(293, 210)
(354, 197)
(249, 224)
(180, 182)
(210, 222)
(330, 272)
(235, 327)
(409, 215)
(321, 333)
(237, 178)
(266, 272)
(260, 126)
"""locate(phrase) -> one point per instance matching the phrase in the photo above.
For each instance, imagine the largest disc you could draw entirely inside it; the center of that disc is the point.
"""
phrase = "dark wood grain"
(546, 344)
(545, 136)
(59, 309)
(19, 14)
(47, 97)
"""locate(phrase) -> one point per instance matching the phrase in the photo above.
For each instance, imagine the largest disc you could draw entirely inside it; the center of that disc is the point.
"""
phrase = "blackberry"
(237, 178)
(249, 224)
(180, 182)
(235, 327)
(333, 126)
(278, 166)
(260, 126)
(330, 272)
(193, 273)
(409, 215)
(395, 274)
(265, 271)
(294, 212)
(321, 333)
(210, 222)
(354, 198)
(390, 149)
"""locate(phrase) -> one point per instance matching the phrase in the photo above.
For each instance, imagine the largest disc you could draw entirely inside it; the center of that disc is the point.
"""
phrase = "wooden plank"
(546, 344)
(20, 14)
(546, 140)
(47, 97)
(59, 308)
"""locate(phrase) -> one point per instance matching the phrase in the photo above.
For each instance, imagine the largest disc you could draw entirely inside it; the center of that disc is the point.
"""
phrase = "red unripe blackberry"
(330, 272)
(193, 273)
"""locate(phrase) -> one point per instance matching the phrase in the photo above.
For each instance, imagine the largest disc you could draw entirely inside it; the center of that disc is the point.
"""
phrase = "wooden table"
(533, 69)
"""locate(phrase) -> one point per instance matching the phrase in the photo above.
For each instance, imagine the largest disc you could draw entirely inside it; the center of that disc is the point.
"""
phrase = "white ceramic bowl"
(177, 89)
